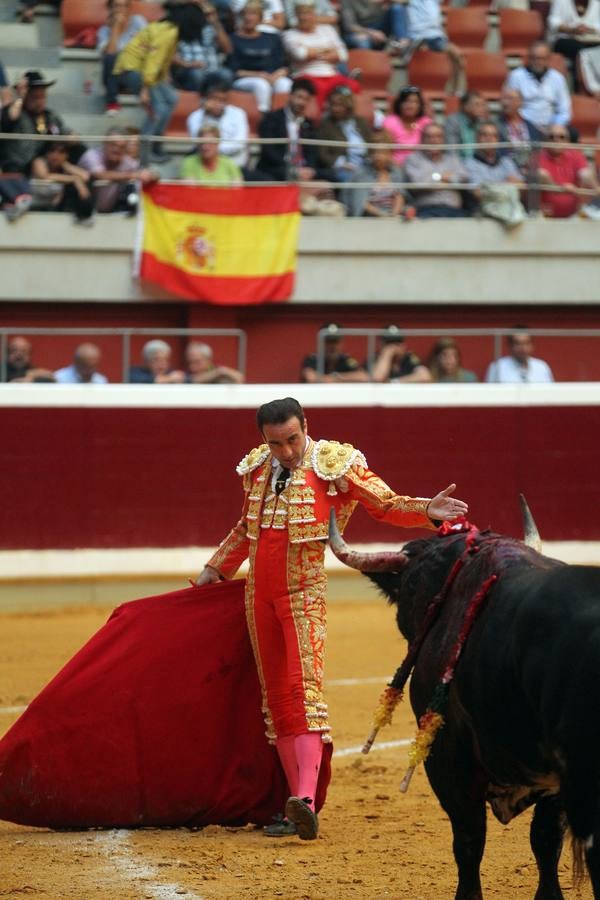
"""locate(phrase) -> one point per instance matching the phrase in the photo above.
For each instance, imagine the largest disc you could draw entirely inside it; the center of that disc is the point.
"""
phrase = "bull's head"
(385, 561)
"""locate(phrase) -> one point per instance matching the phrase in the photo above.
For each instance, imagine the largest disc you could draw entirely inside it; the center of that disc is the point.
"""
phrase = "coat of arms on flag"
(226, 245)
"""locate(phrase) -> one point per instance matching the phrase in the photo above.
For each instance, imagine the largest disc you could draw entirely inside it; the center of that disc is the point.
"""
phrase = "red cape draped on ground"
(155, 721)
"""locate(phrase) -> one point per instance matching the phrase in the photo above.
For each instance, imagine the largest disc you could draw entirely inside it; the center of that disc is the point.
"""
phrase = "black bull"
(523, 715)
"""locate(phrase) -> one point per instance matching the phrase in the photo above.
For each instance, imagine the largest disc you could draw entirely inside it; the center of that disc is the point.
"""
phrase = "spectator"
(385, 199)
(208, 166)
(150, 54)
(272, 14)
(73, 193)
(339, 366)
(231, 121)
(5, 91)
(325, 12)
(84, 368)
(573, 27)
(519, 366)
(315, 51)
(156, 356)
(19, 366)
(497, 179)
(566, 167)
(280, 162)
(441, 169)
(407, 120)
(120, 29)
(445, 363)
(546, 99)
(461, 127)
(110, 163)
(201, 369)
(341, 124)
(425, 28)
(257, 61)
(514, 129)
(201, 39)
(27, 114)
(373, 25)
(396, 363)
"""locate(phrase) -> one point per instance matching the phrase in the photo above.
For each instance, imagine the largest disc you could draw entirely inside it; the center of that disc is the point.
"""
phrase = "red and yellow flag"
(227, 245)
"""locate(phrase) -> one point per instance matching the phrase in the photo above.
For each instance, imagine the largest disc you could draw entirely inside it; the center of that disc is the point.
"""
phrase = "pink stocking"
(309, 749)
(287, 755)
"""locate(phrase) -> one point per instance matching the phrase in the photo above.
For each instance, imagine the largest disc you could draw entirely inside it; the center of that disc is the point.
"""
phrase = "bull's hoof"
(301, 815)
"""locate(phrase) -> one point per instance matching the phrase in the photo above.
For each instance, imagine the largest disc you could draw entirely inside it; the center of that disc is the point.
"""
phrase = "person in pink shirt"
(566, 167)
(407, 121)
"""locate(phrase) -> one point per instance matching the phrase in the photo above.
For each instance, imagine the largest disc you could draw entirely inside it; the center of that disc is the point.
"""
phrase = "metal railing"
(496, 334)
(126, 334)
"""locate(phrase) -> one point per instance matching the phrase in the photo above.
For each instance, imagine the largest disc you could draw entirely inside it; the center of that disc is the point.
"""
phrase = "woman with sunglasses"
(407, 120)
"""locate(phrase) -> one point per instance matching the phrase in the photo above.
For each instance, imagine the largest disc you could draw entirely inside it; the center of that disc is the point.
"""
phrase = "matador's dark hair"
(276, 412)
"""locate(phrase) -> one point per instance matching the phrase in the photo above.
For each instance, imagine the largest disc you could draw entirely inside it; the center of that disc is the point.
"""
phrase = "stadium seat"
(518, 29)
(485, 72)
(188, 102)
(586, 118)
(430, 71)
(467, 26)
(451, 104)
(376, 70)
(77, 16)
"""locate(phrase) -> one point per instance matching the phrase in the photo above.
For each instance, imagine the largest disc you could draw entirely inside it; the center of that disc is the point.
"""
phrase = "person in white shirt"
(545, 93)
(520, 367)
(315, 51)
(573, 27)
(84, 369)
(231, 121)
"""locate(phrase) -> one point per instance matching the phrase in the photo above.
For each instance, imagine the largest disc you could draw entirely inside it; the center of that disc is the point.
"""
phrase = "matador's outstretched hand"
(447, 508)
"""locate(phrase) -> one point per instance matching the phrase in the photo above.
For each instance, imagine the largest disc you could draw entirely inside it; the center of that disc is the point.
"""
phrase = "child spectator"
(208, 166)
(201, 39)
(120, 29)
(407, 120)
(385, 199)
(73, 194)
(257, 61)
(445, 364)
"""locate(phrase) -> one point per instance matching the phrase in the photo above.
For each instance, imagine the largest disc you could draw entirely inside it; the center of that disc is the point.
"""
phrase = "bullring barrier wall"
(117, 466)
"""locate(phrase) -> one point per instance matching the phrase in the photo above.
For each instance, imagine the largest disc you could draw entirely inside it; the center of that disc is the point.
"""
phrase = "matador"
(290, 484)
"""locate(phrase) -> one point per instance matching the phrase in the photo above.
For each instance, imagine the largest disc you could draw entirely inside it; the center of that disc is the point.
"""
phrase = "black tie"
(281, 480)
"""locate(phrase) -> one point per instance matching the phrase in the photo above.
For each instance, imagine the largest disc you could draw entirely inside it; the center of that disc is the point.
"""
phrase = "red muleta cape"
(156, 721)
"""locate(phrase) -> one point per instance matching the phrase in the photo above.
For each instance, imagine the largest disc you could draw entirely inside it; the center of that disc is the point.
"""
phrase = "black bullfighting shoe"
(280, 827)
(299, 812)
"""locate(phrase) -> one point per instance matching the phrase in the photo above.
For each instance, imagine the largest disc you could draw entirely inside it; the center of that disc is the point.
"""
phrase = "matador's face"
(287, 441)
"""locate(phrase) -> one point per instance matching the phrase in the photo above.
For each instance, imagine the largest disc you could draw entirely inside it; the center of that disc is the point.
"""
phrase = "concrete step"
(20, 58)
(98, 124)
(13, 34)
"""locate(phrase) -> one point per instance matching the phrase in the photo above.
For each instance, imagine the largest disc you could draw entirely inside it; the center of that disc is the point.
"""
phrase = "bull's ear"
(531, 535)
(364, 562)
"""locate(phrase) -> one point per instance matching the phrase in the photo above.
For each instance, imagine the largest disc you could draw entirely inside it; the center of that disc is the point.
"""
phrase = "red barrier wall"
(279, 336)
(165, 477)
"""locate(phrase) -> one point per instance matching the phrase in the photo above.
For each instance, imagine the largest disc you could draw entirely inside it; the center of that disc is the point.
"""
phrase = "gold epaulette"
(253, 459)
(331, 460)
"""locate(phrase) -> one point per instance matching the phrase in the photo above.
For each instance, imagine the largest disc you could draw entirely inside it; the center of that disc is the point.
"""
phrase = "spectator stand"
(130, 342)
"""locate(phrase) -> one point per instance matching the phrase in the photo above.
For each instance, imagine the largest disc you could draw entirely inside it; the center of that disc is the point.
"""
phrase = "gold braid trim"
(253, 459)
(331, 460)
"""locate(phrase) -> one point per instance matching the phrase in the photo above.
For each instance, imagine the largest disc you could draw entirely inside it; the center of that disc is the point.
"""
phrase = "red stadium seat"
(77, 15)
(376, 70)
(247, 101)
(586, 118)
(451, 104)
(467, 26)
(429, 71)
(519, 28)
(485, 72)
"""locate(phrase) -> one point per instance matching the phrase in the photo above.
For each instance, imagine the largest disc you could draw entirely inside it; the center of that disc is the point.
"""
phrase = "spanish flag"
(226, 245)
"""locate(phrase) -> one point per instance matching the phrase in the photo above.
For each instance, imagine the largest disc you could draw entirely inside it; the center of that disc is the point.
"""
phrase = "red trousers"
(286, 615)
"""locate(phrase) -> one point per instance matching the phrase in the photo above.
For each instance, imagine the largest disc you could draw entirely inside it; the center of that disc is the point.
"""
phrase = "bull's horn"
(364, 562)
(531, 535)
